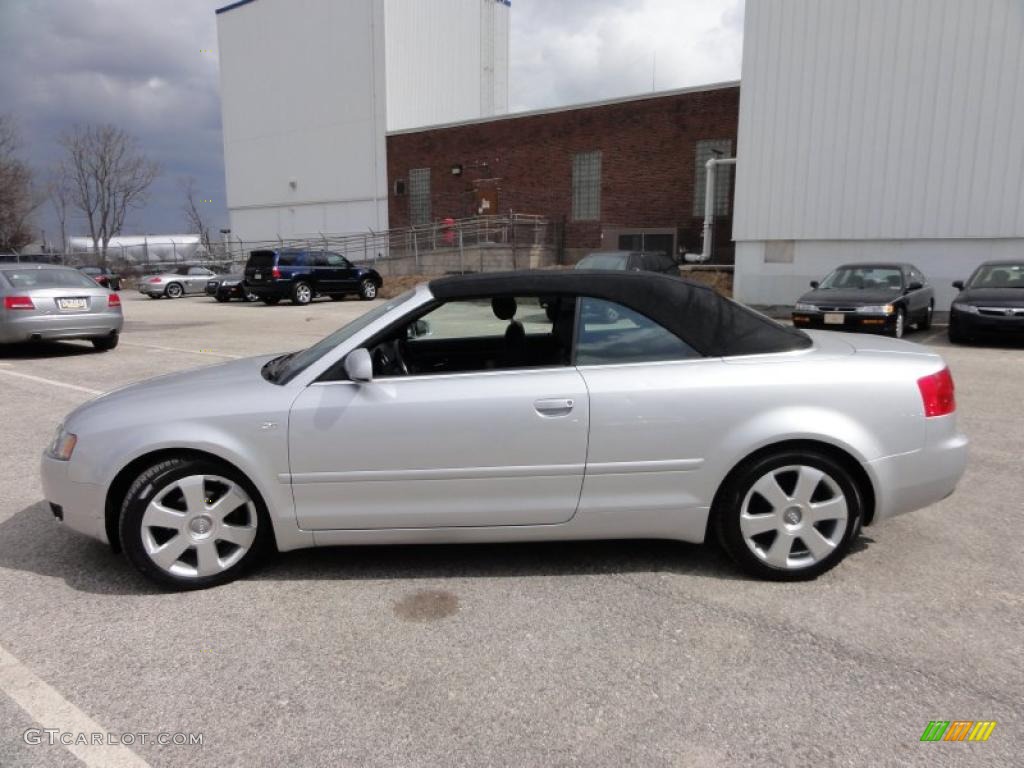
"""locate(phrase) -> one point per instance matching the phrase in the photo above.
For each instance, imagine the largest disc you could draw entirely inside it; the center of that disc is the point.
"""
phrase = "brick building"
(623, 174)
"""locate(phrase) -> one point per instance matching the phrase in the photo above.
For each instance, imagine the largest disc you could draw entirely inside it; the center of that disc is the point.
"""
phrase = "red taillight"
(155, 280)
(937, 393)
(275, 273)
(113, 300)
(18, 302)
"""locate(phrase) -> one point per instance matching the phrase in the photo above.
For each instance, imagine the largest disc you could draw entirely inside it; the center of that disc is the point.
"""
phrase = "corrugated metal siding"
(867, 119)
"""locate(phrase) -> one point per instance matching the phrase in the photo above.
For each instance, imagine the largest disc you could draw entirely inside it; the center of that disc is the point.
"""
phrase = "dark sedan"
(103, 276)
(228, 287)
(886, 298)
(631, 261)
(990, 303)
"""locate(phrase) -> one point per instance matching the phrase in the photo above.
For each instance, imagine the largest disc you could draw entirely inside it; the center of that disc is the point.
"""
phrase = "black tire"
(106, 343)
(302, 293)
(155, 479)
(926, 323)
(174, 291)
(899, 324)
(367, 290)
(729, 502)
(249, 297)
(271, 301)
(222, 298)
(956, 336)
(154, 295)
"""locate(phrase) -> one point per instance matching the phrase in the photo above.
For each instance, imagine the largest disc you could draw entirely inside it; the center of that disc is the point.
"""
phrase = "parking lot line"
(204, 352)
(51, 382)
(52, 711)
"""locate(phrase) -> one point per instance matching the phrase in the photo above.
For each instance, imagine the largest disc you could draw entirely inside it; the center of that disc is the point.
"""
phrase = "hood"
(198, 393)
(850, 297)
(992, 297)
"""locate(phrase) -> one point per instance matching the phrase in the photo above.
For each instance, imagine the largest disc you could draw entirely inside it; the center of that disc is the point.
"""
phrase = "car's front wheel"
(367, 290)
(191, 523)
(926, 321)
(899, 324)
(788, 516)
(222, 297)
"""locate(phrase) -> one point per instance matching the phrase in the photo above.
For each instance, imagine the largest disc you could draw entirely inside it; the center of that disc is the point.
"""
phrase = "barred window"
(419, 196)
(586, 186)
(707, 149)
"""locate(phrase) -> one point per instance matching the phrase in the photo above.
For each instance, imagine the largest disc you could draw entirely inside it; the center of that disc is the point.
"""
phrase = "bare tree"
(194, 219)
(18, 199)
(109, 176)
(58, 190)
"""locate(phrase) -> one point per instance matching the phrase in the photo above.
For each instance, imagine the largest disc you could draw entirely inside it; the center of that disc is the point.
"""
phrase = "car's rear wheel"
(271, 300)
(105, 343)
(788, 516)
(302, 294)
(192, 523)
(174, 291)
(250, 296)
(367, 290)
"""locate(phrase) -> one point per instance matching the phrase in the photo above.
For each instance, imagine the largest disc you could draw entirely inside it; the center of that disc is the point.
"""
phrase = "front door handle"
(554, 406)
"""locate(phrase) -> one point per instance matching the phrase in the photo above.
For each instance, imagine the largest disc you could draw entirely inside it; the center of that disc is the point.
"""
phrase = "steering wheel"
(388, 358)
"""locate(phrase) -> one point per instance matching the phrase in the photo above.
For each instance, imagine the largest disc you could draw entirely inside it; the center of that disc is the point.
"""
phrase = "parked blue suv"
(301, 276)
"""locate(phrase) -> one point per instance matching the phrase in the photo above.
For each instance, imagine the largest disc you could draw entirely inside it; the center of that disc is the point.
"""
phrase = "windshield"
(864, 278)
(281, 370)
(48, 278)
(602, 261)
(998, 276)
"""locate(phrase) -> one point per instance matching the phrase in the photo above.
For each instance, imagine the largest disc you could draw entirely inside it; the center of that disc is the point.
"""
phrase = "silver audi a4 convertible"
(519, 407)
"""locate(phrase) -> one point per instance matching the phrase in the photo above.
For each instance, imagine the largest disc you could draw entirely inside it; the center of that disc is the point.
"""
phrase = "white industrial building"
(878, 130)
(309, 89)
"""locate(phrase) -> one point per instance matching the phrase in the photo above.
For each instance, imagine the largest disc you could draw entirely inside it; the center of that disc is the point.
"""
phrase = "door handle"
(554, 406)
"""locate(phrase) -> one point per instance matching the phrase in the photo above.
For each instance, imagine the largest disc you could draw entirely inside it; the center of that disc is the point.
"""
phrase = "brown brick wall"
(648, 152)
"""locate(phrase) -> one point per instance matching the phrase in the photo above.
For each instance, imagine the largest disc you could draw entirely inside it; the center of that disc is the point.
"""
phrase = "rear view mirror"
(815, 283)
(359, 366)
(959, 284)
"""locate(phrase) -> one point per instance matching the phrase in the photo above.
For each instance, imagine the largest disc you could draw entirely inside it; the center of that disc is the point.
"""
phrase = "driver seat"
(504, 308)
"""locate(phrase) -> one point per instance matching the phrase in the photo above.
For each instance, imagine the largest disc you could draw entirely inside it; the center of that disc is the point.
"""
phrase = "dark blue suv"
(300, 276)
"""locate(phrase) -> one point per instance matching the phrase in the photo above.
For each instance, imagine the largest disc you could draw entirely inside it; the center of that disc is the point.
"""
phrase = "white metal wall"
(447, 60)
(303, 101)
(881, 119)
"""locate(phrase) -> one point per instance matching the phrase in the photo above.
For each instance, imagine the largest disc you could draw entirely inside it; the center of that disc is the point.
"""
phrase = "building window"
(707, 149)
(586, 186)
(419, 196)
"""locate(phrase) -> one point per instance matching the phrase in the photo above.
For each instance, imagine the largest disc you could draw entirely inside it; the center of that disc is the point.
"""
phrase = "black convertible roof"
(710, 323)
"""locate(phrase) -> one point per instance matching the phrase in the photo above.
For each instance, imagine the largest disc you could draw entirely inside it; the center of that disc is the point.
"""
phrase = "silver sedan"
(44, 303)
(493, 408)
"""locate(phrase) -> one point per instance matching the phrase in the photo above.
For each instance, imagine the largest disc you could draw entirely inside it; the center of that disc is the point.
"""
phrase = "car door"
(195, 281)
(342, 273)
(656, 405)
(920, 298)
(463, 441)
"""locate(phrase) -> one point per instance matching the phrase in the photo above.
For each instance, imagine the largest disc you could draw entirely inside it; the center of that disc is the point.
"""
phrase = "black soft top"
(712, 324)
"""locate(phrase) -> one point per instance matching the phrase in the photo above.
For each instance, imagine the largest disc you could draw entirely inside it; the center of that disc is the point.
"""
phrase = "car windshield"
(283, 369)
(864, 278)
(998, 276)
(27, 279)
(602, 261)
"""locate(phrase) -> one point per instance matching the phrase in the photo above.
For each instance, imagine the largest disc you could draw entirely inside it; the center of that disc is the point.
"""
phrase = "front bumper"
(970, 324)
(851, 321)
(82, 504)
(14, 329)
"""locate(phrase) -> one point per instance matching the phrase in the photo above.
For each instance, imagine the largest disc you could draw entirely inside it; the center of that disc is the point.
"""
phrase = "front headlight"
(960, 307)
(877, 310)
(801, 307)
(63, 445)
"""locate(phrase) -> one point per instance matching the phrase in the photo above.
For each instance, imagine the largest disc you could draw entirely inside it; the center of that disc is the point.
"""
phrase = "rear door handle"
(554, 406)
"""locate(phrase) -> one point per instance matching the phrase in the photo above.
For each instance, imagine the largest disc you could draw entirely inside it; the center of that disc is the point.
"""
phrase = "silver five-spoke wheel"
(199, 526)
(794, 517)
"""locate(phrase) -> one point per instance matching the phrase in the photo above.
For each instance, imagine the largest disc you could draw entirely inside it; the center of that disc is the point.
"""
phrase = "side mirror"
(915, 286)
(815, 283)
(958, 284)
(359, 366)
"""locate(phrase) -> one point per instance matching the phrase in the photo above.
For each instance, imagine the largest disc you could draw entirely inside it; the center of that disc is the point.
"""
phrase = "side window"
(286, 260)
(318, 259)
(194, 271)
(611, 333)
(334, 260)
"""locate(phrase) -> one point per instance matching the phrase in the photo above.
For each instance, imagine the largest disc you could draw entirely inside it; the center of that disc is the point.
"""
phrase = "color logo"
(958, 730)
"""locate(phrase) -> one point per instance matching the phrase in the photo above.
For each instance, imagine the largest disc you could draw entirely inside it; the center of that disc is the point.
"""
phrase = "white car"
(493, 408)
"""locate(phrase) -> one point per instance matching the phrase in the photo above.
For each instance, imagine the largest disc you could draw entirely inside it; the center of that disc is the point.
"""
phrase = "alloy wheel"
(303, 293)
(174, 291)
(199, 526)
(369, 290)
(794, 517)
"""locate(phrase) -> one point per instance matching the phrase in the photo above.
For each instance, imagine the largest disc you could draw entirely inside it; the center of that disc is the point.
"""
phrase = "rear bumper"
(915, 480)
(152, 289)
(81, 504)
(852, 321)
(52, 327)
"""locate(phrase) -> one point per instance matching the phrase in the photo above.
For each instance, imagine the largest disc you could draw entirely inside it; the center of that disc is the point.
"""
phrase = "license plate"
(258, 276)
(72, 305)
(834, 318)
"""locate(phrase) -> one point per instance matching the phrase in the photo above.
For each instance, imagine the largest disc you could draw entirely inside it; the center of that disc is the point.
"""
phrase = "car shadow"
(39, 350)
(31, 541)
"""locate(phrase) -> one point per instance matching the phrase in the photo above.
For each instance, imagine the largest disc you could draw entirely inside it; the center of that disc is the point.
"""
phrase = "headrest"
(504, 307)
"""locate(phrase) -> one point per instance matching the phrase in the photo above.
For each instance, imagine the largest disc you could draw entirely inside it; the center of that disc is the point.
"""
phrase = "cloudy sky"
(140, 65)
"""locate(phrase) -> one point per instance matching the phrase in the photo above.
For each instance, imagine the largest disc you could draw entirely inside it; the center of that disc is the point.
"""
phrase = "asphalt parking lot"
(611, 653)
